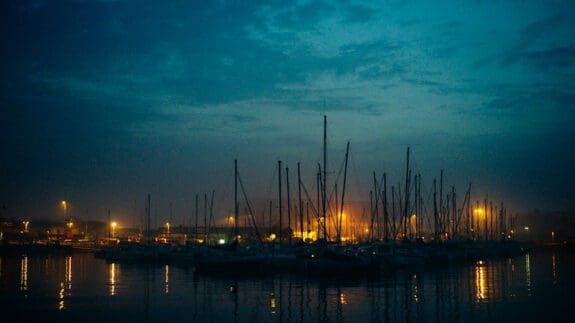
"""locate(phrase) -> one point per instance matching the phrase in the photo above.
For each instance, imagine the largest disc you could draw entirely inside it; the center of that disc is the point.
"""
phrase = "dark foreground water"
(532, 288)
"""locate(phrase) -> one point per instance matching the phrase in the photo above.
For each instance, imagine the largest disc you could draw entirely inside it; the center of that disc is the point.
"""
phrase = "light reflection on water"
(497, 290)
(112, 279)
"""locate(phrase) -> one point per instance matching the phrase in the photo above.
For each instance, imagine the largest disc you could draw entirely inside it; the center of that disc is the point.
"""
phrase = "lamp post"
(113, 225)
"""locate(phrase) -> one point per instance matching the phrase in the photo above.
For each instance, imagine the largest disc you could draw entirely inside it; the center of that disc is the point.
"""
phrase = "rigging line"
(248, 204)
(314, 210)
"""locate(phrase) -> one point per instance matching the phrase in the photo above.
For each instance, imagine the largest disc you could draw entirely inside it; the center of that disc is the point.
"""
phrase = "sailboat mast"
(288, 204)
(406, 208)
(375, 207)
(385, 213)
(280, 198)
(236, 212)
(148, 222)
(300, 207)
(324, 200)
(196, 224)
(343, 191)
(435, 215)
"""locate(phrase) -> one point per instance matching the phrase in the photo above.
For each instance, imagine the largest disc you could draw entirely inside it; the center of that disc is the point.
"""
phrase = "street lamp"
(113, 225)
(64, 204)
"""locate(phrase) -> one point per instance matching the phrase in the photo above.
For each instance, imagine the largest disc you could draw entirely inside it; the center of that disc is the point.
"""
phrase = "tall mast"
(416, 207)
(454, 210)
(385, 213)
(485, 216)
(469, 212)
(211, 216)
(148, 222)
(372, 215)
(109, 226)
(441, 210)
(196, 225)
(420, 210)
(375, 207)
(270, 218)
(288, 205)
(343, 190)
(324, 200)
(491, 220)
(280, 198)
(300, 207)
(393, 223)
(206, 220)
(406, 208)
(435, 214)
(236, 211)
(318, 183)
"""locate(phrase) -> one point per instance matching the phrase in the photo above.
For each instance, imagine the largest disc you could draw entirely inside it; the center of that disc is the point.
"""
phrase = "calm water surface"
(531, 288)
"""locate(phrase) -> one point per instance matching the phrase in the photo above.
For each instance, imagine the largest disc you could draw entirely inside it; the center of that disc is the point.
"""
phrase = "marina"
(528, 287)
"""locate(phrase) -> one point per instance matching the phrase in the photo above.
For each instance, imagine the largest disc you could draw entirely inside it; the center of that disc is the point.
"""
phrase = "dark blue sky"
(102, 102)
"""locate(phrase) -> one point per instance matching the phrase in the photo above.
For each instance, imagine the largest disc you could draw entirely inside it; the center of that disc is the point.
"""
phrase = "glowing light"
(526, 228)
(61, 304)
(112, 278)
(167, 279)
(273, 304)
(272, 237)
(24, 274)
(114, 225)
(222, 241)
(25, 225)
(342, 299)
(70, 224)
(479, 212)
(480, 283)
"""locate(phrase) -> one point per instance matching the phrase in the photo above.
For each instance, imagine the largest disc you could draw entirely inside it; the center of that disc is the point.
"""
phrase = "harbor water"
(533, 287)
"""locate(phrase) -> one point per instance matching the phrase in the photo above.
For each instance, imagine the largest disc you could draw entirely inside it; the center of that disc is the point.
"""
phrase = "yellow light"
(25, 225)
(342, 299)
(70, 224)
(114, 224)
(479, 211)
(272, 236)
(222, 241)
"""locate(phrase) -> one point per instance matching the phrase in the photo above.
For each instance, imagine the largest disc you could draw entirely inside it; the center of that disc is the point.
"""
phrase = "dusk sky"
(102, 102)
